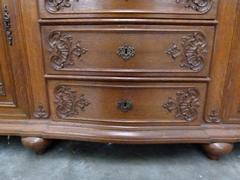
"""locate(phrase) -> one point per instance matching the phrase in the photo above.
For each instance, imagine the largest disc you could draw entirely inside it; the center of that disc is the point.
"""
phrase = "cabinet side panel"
(232, 94)
(223, 42)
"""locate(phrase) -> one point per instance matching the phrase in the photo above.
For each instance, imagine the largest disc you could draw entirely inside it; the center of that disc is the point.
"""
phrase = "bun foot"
(36, 144)
(214, 151)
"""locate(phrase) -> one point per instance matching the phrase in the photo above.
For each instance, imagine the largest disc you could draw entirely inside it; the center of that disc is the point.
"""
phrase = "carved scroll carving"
(185, 105)
(68, 103)
(7, 25)
(65, 51)
(191, 50)
(58, 5)
(41, 113)
(202, 6)
(214, 117)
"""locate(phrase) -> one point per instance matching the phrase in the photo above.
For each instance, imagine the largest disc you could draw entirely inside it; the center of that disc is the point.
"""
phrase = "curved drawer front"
(128, 50)
(166, 103)
(192, 9)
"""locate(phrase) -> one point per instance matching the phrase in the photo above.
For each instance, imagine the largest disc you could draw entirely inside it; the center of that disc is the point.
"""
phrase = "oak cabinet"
(136, 72)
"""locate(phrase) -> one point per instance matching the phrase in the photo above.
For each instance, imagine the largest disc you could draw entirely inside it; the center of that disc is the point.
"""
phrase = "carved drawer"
(165, 103)
(192, 9)
(128, 50)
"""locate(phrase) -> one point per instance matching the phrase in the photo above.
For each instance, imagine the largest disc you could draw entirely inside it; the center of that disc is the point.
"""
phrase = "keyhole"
(125, 105)
(126, 51)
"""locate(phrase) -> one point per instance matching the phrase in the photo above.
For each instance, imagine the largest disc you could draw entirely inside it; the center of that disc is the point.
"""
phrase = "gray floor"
(90, 161)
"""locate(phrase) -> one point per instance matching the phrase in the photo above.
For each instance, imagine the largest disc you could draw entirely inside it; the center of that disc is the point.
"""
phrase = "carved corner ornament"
(214, 117)
(64, 50)
(201, 6)
(40, 113)
(191, 51)
(68, 103)
(185, 105)
(54, 6)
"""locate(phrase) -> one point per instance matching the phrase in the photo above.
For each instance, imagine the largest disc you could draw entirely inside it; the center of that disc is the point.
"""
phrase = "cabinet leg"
(38, 145)
(215, 150)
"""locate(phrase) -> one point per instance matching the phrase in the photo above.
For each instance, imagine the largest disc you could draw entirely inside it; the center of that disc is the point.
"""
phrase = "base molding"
(125, 134)
(216, 140)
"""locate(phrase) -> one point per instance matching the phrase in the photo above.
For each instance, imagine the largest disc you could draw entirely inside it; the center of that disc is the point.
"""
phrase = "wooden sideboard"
(134, 72)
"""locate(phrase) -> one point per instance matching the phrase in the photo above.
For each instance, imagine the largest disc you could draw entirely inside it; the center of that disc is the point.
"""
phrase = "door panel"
(13, 92)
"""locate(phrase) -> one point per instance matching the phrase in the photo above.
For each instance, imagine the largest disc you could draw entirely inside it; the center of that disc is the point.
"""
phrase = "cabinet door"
(232, 88)
(13, 91)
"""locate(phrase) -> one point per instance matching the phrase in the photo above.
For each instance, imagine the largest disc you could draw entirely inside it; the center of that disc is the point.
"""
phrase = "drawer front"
(192, 9)
(166, 103)
(128, 50)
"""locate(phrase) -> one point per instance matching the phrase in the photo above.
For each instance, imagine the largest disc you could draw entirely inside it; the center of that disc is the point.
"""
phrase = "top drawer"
(189, 9)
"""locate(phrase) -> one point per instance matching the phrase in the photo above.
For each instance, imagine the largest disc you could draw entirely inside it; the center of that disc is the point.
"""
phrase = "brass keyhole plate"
(126, 52)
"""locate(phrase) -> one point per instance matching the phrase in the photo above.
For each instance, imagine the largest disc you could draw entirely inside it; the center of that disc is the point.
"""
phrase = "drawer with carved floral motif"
(191, 9)
(115, 102)
(128, 50)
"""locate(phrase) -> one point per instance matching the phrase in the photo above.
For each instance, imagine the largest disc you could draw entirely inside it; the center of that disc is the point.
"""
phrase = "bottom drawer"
(121, 102)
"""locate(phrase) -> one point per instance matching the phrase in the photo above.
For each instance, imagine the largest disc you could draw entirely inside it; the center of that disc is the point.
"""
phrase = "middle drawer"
(125, 50)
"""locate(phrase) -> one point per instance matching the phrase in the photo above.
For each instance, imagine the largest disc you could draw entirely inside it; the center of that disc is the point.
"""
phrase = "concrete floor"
(90, 161)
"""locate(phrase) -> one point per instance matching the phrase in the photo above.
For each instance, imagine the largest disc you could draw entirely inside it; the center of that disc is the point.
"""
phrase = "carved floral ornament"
(41, 113)
(64, 51)
(201, 6)
(185, 105)
(214, 117)
(68, 103)
(191, 51)
(58, 5)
